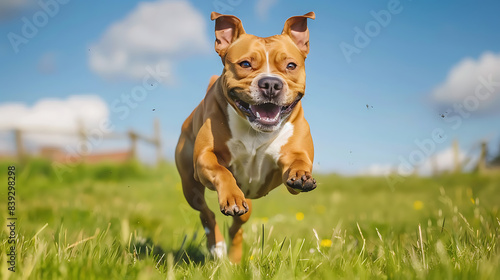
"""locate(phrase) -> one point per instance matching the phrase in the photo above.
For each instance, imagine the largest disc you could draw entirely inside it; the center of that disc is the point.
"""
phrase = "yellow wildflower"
(417, 205)
(326, 243)
(299, 216)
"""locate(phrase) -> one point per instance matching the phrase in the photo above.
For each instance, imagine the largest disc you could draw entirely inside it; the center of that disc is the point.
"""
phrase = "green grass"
(132, 222)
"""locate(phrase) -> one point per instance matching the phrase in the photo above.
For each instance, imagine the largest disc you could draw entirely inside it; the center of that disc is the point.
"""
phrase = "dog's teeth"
(258, 115)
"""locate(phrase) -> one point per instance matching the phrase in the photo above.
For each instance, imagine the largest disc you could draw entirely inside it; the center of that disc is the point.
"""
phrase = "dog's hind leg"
(236, 234)
(194, 192)
(195, 196)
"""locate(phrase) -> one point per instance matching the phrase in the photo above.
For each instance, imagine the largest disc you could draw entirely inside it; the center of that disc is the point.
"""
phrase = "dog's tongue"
(266, 112)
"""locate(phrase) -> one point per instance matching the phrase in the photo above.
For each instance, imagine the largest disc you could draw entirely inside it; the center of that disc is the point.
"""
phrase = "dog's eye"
(291, 66)
(245, 64)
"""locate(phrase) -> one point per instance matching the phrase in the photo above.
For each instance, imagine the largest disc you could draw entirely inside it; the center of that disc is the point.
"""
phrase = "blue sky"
(423, 61)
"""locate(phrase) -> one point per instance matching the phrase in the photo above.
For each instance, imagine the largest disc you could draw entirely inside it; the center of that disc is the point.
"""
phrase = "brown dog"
(249, 134)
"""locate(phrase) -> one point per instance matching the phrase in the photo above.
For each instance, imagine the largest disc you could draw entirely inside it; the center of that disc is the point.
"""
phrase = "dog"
(248, 135)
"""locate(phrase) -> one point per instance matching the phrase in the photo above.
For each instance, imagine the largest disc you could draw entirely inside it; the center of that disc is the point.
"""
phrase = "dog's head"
(263, 78)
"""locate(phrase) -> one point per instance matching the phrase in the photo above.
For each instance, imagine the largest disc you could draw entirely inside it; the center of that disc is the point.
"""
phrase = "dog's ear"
(296, 28)
(227, 29)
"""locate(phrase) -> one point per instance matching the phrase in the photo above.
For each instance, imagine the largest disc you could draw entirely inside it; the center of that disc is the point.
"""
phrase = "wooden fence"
(83, 135)
(481, 166)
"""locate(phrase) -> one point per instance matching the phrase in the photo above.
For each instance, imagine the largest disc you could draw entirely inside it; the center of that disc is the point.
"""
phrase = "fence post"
(157, 140)
(133, 144)
(481, 164)
(456, 158)
(83, 140)
(18, 134)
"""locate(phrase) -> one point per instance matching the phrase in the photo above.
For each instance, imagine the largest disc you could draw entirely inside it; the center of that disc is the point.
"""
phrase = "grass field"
(132, 222)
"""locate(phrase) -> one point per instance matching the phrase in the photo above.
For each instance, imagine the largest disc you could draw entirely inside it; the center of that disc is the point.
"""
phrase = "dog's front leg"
(214, 176)
(297, 162)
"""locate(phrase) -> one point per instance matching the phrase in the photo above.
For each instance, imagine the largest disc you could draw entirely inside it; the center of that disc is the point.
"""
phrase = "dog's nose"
(270, 86)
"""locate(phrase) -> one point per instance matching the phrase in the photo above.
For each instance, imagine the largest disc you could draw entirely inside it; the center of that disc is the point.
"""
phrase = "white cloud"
(54, 114)
(263, 7)
(468, 76)
(442, 161)
(154, 34)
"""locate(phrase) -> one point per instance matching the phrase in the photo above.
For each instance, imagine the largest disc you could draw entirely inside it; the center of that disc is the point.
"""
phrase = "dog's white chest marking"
(254, 154)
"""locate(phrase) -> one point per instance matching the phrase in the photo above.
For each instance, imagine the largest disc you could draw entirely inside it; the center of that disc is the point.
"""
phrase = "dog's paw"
(301, 181)
(233, 204)
(219, 250)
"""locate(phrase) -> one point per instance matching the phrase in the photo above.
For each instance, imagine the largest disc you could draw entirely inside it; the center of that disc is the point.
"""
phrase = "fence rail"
(83, 135)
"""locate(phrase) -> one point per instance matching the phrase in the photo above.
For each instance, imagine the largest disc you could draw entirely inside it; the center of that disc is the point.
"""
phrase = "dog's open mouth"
(267, 114)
